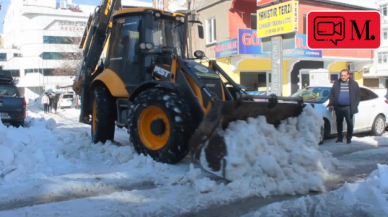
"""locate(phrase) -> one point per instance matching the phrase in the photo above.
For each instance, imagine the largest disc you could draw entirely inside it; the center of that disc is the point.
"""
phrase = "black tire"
(325, 131)
(21, 124)
(103, 125)
(18, 124)
(380, 129)
(176, 114)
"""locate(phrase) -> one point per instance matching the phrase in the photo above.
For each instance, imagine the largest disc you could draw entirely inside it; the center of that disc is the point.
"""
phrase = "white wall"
(31, 93)
(44, 3)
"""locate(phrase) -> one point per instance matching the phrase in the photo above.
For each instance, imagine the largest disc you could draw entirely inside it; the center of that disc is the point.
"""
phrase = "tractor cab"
(138, 38)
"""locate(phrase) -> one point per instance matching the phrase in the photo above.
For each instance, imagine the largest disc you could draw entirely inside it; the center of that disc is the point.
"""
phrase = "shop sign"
(248, 43)
(277, 66)
(278, 19)
(72, 26)
(226, 48)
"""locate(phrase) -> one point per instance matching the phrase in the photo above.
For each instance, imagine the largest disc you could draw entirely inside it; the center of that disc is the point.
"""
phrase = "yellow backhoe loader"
(170, 104)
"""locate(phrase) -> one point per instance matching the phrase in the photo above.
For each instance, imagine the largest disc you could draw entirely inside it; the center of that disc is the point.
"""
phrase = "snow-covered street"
(51, 168)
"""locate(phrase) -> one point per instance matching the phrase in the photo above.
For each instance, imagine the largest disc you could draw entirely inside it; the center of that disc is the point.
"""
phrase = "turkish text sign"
(278, 19)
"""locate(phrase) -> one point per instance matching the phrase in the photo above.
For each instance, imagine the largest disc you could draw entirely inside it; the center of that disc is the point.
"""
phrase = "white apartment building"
(377, 75)
(42, 35)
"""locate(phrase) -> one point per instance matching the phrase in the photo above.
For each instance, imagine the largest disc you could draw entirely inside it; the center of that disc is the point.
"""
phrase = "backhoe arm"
(92, 43)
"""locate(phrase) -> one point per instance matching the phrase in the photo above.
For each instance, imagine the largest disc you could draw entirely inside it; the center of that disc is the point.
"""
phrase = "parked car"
(66, 100)
(372, 110)
(12, 105)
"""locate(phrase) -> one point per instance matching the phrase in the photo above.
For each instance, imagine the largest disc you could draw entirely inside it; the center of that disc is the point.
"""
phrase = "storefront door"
(256, 81)
(304, 78)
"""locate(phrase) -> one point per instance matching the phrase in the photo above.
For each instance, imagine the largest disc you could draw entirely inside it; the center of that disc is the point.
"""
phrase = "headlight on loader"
(149, 46)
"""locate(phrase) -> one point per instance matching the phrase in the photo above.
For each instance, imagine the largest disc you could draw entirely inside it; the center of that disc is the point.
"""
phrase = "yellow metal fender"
(113, 82)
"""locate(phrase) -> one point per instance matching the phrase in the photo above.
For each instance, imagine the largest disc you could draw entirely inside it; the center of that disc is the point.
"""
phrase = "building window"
(60, 40)
(3, 56)
(15, 72)
(160, 5)
(382, 57)
(384, 10)
(17, 55)
(46, 72)
(60, 56)
(211, 36)
(253, 21)
(385, 34)
(26, 71)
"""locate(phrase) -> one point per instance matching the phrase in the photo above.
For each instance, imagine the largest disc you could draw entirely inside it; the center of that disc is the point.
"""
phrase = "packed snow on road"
(50, 167)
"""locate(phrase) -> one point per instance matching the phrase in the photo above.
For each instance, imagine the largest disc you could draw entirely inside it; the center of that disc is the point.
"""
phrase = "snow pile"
(362, 198)
(43, 150)
(19, 152)
(277, 161)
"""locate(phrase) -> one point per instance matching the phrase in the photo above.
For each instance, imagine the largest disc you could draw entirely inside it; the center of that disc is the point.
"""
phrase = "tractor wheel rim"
(147, 118)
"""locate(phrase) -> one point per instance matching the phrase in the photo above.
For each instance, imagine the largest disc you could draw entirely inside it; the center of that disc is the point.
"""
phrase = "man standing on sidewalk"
(344, 100)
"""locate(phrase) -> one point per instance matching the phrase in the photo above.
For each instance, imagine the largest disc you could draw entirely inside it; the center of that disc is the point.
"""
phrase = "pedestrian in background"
(51, 103)
(45, 101)
(344, 100)
(55, 102)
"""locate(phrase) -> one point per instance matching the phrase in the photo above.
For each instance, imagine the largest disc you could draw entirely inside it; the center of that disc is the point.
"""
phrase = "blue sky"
(6, 3)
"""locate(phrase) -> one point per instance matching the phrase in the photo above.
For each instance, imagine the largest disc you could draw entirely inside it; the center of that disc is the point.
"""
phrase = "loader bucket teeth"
(207, 145)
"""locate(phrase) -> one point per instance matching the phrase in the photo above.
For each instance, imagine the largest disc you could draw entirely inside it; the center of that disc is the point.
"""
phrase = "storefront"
(242, 58)
(251, 67)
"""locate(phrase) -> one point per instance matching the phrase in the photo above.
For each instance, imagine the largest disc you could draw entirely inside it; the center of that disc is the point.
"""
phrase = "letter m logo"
(359, 34)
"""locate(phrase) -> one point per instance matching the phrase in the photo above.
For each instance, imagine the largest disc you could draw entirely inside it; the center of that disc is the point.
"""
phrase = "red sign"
(265, 2)
(343, 30)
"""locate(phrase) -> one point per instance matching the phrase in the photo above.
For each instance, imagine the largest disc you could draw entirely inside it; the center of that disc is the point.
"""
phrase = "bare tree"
(70, 58)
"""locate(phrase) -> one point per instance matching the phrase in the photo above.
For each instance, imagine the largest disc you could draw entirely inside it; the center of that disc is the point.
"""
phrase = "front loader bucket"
(208, 147)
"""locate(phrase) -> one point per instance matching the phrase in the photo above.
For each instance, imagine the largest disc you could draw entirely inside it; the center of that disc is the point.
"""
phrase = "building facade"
(170, 5)
(41, 38)
(230, 37)
(377, 76)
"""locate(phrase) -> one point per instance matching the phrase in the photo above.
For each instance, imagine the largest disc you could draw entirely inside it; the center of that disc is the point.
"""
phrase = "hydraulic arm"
(93, 41)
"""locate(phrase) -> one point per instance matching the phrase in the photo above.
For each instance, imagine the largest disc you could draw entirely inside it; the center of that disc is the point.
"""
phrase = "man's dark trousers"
(341, 113)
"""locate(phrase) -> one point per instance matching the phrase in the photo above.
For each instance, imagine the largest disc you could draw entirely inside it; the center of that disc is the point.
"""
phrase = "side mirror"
(200, 32)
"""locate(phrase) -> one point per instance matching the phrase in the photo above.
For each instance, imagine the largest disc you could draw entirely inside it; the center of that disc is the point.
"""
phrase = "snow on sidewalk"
(46, 160)
(362, 198)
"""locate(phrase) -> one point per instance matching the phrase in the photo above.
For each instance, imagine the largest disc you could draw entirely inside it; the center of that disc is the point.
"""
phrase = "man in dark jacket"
(344, 99)
(50, 103)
